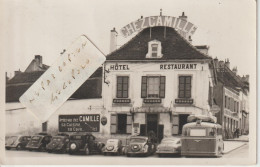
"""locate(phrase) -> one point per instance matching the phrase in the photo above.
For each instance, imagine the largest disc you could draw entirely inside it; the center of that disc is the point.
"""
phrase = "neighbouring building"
(231, 95)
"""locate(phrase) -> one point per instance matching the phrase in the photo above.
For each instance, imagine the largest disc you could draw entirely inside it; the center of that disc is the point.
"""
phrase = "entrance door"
(182, 121)
(152, 123)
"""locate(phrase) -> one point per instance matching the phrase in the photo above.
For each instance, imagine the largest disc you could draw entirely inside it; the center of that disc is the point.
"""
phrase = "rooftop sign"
(181, 25)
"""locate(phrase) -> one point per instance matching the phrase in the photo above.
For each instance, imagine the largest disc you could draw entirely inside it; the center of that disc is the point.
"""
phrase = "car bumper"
(198, 154)
(8, 147)
(168, 152)
(32, 148)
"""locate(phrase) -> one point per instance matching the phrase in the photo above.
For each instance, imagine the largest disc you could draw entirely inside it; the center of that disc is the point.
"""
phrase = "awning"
(157, 109)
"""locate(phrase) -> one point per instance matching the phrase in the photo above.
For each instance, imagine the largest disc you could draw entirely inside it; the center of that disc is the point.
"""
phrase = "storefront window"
(122, 87)
(185, 87)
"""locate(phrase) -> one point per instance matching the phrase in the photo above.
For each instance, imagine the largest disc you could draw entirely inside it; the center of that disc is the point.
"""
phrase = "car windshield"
(36, 138)
(198, 132)
(138, 140)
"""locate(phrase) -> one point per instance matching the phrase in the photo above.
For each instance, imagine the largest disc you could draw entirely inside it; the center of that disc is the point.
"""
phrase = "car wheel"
(8, 148)
(18, 147)
(41, 149)
(87, 152)
(128, 155)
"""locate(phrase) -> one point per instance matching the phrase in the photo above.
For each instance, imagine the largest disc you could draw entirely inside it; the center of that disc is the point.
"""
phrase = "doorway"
(152, 123)
(182, 121)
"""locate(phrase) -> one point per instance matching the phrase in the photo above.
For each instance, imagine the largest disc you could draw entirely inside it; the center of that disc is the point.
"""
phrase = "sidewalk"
(232, 145)
(243, 138)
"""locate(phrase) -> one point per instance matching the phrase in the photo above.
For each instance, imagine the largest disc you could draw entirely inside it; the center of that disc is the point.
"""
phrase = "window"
(197, 132)
(153, 87)
(154, 49)
(185, 87)
(44, 127)
(225, 101)
(121, 124)
(122, 87)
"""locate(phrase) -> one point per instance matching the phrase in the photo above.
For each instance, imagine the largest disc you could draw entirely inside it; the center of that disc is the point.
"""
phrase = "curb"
(234, 148)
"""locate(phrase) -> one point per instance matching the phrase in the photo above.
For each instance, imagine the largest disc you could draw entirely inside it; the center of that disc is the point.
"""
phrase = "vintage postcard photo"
(110, 82)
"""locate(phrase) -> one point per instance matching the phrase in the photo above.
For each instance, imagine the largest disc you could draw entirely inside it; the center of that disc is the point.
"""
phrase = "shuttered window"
(121, 124)
(153, 87)
(154, 50)
(185, 87)
(122, 87)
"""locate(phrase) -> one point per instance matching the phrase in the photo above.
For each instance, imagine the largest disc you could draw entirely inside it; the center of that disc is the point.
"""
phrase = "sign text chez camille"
(172, 66)
(79, 123)
(180, 25)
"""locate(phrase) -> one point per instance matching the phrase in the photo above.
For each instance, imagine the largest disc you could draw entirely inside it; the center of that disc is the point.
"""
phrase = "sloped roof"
(25, 77)
(174, 46)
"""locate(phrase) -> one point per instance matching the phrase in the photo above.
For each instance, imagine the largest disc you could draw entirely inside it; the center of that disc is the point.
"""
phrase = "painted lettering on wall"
(177, 66)
(182, 26)
(119, 67)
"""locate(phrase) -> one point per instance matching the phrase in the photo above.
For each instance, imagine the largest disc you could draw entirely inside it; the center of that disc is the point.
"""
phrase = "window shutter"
(144, 87)
(129, 124)
(162, 87)
(113, 122)
(175, 124)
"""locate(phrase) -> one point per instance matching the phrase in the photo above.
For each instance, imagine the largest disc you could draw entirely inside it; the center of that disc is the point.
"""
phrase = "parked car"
(113, 146)
(17, 142)
(141, 145)
(58, 143)
(169, 145)
(85, 143)
(39, 142)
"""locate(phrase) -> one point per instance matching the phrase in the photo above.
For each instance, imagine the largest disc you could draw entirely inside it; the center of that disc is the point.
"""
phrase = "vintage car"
(17, 142)
(39, 142)
(85, 143)
(169, 146)
(58, 143)
(113, 146)
(141, 146)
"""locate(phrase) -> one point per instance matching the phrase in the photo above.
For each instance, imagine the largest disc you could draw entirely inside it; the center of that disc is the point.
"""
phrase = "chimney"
(190, 40)
(183, 17)
(17, 72)
(113, 40)
(38, 60)
(234, 70)
(227, 63)
(221, 64)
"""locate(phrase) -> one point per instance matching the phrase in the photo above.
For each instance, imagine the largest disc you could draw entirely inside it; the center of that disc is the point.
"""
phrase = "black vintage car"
(17, 142)
(58, 143)
(39, 142)
(141, 146)
(84, 143)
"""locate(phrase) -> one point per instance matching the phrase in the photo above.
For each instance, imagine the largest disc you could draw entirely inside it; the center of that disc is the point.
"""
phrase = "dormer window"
(154, 49)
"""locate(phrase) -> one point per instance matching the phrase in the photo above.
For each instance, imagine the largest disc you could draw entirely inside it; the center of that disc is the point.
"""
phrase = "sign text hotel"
(180, 25)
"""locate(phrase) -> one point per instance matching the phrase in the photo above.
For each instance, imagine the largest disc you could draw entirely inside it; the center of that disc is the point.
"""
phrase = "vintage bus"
(202, 139)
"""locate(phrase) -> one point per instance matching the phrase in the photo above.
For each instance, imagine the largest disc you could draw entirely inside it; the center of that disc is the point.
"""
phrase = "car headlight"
(73, 146)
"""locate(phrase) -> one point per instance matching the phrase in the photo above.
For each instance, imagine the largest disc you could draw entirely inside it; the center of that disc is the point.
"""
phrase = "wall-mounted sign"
(177, 66)
(119, 67)
(103, 120)
(79, 123)
(63, 78)
(180, 25)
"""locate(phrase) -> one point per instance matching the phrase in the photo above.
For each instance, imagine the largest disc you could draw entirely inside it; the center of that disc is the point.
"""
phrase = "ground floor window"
(121, 124)
(44, 127)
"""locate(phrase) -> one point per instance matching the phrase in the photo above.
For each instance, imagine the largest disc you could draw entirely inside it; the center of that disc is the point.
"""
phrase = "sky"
(46, 27)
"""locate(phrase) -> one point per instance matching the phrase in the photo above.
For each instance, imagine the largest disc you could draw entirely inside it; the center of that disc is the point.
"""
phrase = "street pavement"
(234, 149)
